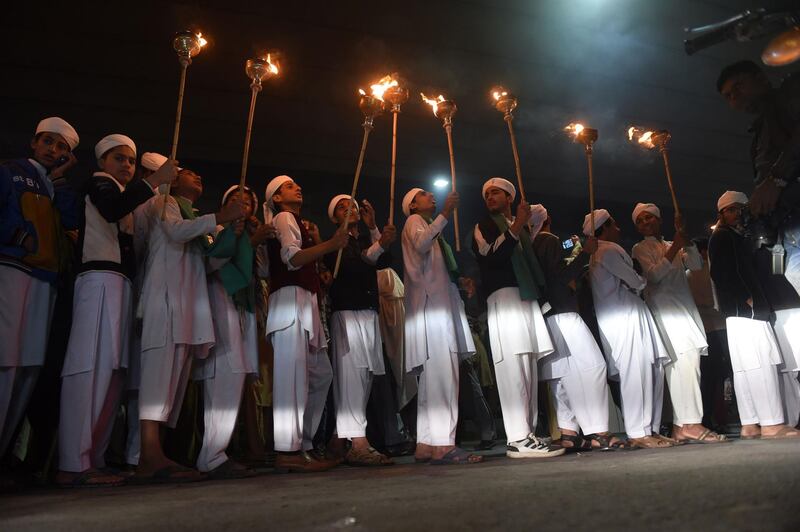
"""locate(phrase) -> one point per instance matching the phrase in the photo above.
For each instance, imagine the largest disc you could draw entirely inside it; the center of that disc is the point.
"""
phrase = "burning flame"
(200, 39)
(380, 87)
(273, 68)
(498, 93)
(361, 92)
(574, 129)
(433, 102)
(642, 136)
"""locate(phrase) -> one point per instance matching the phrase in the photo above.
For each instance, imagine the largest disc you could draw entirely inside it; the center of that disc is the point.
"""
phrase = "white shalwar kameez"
(392, 320)
(518, 338)
(670, 300)
(176, 311)
(234, 355)
(437, 336)
(787, 332)
(302, 372)
(630, 338)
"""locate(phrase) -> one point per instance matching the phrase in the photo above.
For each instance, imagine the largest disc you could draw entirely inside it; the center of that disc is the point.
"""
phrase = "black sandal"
(578, 444)
(607, 445)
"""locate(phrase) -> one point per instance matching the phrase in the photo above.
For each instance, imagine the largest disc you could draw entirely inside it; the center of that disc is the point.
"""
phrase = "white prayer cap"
(645, 207)
(272, 188)
(59, 126)
(601, 216)
(408, 198)
(112, 141)
(233, 189)
(502, 184)
(335, 201)
(153, 161)
(729, 198)
(538, 217)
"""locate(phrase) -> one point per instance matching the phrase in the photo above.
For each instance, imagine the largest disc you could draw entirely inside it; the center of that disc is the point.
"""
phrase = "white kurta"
(678, 320)
(630, 337)
(302, 373)
(393, 319)
(437, 335)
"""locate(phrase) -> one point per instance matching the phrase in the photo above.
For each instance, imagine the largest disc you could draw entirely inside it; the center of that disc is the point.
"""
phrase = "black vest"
(496, 269)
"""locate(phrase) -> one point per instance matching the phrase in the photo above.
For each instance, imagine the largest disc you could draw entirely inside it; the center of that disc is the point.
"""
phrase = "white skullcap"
(408, 198)
(601, 216)
(729, 198)
(153, 161)
(538, 217)
(335, 201)
(112, 141)
(272, 188)
(233, 189)
(502, 184)
(59, 126)
(645, 207)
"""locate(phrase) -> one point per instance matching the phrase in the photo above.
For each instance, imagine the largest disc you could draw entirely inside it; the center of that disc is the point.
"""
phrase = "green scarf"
(237, 273)
(526, 266)
(447, 254)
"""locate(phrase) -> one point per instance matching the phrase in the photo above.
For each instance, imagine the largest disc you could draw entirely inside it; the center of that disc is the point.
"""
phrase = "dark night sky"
(108, 67)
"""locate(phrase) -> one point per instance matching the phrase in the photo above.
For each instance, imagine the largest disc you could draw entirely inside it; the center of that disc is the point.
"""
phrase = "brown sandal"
(707, 436)
(785, 432)
(650, 442)
(368, 457)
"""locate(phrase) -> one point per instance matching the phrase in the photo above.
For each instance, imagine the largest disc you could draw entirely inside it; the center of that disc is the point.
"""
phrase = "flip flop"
(708, 436)
(84, 479)
(457, 456)
(784, 433)
(170, 474)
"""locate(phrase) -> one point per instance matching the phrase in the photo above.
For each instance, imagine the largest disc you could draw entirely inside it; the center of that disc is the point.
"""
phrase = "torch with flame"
(444, 109)
(187, 45)
(371, 106)
(390, 91)
(258, 70)
(586, 136)
(505, 102)
(650, 139)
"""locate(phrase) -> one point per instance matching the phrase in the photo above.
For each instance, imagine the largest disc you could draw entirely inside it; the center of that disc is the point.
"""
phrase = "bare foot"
(773, 432)
(149, 468)
(423, 452)
(750, 431)
(440, 450)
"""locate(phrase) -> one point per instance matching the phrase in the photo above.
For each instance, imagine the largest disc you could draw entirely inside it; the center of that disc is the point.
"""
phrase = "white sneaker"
(533, 447)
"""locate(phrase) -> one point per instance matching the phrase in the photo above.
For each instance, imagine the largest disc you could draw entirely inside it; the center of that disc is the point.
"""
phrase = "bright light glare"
(441, 183)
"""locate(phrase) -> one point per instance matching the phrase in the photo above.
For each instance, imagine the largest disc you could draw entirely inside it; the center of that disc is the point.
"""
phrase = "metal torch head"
(187, 45)
(587, 136)
(261, 68)
(445, 110)
(660, 138)
(395, 96)
(370, 107)
(503, 100)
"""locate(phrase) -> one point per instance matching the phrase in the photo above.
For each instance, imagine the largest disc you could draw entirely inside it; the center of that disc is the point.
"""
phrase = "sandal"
(457, 456)
(230, 469)
(578, 444)
(671, 441)
(606, 443)
(706, 437)
(784, 432)
(368, 457)
(91, 479)
(171, 474)
(650, 442)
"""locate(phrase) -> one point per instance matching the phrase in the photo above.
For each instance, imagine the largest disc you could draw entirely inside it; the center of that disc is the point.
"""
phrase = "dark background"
(109, 67)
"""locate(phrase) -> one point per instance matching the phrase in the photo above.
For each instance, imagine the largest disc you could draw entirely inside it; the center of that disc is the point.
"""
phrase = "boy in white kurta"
(514, 281)
(302, 374)
(630, 337)
(97, 353)
(437, 335)
(355, 326)
(36, 204)
(664, 265)
(176, 314)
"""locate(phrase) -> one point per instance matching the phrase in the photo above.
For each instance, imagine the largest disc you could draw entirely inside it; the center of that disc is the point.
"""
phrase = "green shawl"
(526, 266)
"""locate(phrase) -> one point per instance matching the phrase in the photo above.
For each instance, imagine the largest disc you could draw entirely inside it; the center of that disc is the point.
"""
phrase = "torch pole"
(367, 129)
(395, 112)
(177, 131)
(449, 129)
(508, 118)
(255, 88)
(663, 150)
(589, 151)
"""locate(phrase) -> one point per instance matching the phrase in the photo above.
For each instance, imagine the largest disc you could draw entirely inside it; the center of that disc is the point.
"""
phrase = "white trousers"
(787, 333)
(16, 388)
(517, 386)
(642, 393)
(683, 380)
(165, 374)
(89, 402)
(299, 388)
(351, 388)
(437, 395)
(790, 393)
(222, 395)
(580, 388)
(755, 358)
